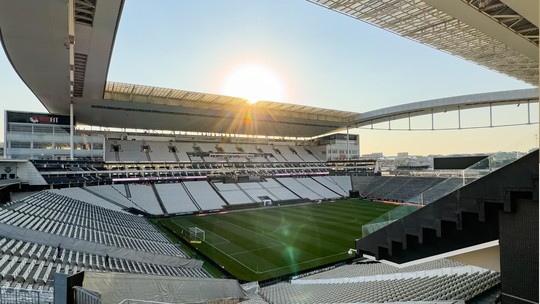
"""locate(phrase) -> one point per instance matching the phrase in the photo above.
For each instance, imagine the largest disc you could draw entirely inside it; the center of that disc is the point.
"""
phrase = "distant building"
(403, 154)
(375, 155)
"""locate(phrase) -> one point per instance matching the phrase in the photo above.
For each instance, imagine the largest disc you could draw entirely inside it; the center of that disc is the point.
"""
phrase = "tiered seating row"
(396, 188)
(244, 193)
(415, 186)
(57, 202)
(233, 194)
(288, 155)
(343, 181)
(331, 184)
(33, 263)
(304, 155)
(194, 196)
(318, 188)
(299, 189)
(112, 193)
(75, 219)
(159, 151)
(437, 288)
(204, 195)
(144, 197)
(373, 269)
(255, 191)
(175, 198)
(85, 196)
(278, 190)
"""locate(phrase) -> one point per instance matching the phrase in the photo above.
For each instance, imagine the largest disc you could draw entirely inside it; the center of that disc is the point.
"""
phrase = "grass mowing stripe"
(331, 227)
(290, 232)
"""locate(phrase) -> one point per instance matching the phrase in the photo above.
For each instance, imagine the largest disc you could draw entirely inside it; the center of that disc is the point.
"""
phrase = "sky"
(320, 58)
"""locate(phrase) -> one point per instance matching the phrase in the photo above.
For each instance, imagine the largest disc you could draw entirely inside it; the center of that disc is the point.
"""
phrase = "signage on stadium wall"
(37, 118)
(155, 178)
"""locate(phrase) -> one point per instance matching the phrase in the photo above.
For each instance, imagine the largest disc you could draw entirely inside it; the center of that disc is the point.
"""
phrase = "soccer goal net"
(196, 233)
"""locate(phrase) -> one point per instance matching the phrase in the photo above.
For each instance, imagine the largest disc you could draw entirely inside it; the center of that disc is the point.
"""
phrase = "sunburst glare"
(253, 82)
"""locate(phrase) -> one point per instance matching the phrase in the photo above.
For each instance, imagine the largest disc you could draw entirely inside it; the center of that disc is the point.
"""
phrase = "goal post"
(196, 234)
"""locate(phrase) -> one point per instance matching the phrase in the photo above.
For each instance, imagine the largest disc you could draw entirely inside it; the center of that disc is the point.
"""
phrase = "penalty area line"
(261, 248)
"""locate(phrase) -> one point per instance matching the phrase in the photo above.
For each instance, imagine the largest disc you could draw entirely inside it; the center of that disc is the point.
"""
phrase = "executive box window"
(20, 144)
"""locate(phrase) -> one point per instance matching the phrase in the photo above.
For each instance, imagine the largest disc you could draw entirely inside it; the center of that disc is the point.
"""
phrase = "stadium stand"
(160, 151)
(55, 214)
(414, 186)
(319, 152)
(304, 154)
(206, 147)
(256, 192)
(444, 187)
(398, 188)
(343, 181)
(113, 193)
(32, 226)
(275, 157)
(288, 154)
(298, 188)
(175, 198)
(233, 194)
(189, 197)
(361, 183)
(374, 269)
(204, 195)
(144, 196)
(99, 233)
(181, 150)
(330, 184)
(278, 190)
(317, 188)
(229, 148)
(33, 263)
(247, 148)
(428, 288)
(88, 197)
(131, 150)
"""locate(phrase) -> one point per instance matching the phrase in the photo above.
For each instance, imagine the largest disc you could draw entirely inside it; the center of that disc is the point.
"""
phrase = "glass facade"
(46, 136)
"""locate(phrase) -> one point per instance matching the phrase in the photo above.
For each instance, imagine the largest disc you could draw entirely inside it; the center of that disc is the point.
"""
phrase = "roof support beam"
(71, 34)
(466, 13)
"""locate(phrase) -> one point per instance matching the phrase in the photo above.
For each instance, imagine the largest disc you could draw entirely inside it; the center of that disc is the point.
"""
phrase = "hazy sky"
(321, 58)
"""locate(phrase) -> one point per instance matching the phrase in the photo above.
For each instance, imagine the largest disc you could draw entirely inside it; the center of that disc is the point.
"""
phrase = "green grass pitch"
(259, 244)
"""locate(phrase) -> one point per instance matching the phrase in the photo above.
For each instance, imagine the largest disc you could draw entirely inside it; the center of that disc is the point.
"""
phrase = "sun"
(253, 82)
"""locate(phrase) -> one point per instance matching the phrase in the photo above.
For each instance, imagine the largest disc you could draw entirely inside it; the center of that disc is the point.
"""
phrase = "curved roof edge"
(439, 105)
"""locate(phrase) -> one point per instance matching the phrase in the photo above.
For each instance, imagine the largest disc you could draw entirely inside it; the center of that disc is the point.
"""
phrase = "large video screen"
(458, 162)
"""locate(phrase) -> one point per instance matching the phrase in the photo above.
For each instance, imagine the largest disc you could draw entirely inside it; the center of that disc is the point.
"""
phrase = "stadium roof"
(144, 107)
(501, 35)
(136, 93)
(63, 61)
(442, 105)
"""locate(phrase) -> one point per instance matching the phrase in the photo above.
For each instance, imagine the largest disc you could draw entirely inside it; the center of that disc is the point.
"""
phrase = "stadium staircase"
(247, 194)
(284, 186)
(219, 193)
(103, 197)
(191, 197)
(147, 151)
(465, 217)
(175, 155)
(158, 197)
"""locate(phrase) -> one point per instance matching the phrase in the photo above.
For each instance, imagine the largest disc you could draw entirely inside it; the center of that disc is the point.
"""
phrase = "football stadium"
(134, 193)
